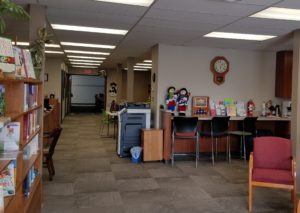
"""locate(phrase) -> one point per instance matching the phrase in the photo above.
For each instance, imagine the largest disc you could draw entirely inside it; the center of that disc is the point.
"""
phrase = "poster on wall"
(112, 89)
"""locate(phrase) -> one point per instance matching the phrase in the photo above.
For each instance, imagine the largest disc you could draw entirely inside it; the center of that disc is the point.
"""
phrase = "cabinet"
(152, 143)
(27, 110)
(284, 67)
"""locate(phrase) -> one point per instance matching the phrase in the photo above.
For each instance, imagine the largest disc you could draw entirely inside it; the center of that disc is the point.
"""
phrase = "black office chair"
(218, 128)
(248, 128)
(185, 128)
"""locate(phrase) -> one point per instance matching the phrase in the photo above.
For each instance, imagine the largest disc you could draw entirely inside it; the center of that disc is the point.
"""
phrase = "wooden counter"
(279, 126)
(51, 118)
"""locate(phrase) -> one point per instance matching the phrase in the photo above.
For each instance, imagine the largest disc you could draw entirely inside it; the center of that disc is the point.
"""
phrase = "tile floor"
(91, 178)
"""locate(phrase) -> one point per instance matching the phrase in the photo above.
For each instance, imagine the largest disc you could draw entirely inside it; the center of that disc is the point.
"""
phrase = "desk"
(279, 126)
(51, 118)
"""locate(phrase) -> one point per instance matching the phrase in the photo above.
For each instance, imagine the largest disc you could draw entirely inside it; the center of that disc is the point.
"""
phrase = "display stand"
(200, 106)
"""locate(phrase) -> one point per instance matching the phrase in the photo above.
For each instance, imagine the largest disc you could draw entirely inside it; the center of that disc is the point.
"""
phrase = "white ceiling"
(176, 22)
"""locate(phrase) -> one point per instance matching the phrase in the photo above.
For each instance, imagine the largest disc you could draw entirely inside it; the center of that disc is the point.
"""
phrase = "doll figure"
(182, 100)
(171, 99)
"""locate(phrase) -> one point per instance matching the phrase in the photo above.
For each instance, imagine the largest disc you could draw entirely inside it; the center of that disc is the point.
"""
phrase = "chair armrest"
(294, 167)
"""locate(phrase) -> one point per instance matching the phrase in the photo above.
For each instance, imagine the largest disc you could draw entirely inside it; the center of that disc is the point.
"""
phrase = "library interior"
(149, 106)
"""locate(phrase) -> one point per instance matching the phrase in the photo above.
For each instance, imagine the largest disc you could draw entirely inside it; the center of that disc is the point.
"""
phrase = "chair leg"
(52, 167)
(172, 150)
(212, 151)
(216, 148)
(244, 147)
(229, 151)
(197, 151)
(250, 198)
(49, 170)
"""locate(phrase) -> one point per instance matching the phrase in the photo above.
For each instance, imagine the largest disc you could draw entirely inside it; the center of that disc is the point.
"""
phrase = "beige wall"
(113, 76)
(251, 75)
(141, 82)
(53, 85)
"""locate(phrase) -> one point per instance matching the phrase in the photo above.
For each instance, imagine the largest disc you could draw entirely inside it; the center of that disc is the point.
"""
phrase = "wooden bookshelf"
(15, 101)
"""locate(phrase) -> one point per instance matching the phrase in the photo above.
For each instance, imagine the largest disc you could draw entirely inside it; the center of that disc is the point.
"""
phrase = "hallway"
(91, 178)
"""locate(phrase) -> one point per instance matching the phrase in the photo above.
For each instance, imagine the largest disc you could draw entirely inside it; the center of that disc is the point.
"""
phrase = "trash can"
(136, 154)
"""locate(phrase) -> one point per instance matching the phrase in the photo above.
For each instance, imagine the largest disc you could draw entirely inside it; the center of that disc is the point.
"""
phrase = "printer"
(133, 117)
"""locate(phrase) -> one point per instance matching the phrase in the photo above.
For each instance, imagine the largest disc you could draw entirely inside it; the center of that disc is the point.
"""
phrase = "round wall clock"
(219, 67)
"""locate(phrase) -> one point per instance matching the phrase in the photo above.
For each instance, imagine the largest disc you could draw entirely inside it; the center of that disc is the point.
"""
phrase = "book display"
(200, 107)
(21, 145)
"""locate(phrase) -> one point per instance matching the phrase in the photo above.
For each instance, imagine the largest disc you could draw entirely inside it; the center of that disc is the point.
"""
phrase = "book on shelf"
(9, 155)
(29, 180)
(19, 62)
(7, 59)
(2, 100)
(31, 124)
(1, 200)
(29, 70)
(8, 179)
(30, 96)
(10, 137)
(4, 120)
(31, 148)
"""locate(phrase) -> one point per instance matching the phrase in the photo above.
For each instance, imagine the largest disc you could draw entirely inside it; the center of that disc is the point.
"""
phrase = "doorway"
(87, 93)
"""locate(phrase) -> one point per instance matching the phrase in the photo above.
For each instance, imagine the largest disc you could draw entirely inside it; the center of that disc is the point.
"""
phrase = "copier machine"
(131, 119)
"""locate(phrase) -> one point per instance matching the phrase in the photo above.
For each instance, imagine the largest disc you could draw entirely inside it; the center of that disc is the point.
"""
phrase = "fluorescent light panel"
(145, 67)
(241, 36)
(85, 66)
(88, 29)
(279, 13)
(54, 52)
(82, 63)
(82, 60)
(143, 64)
(86, 52)
(85, 57)
(23, 43)
(88, 45)
(138, 69)
(147, 61)
(144, 3)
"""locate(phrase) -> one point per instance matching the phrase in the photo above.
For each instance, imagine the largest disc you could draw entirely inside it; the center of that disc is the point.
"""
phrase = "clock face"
(220, 66)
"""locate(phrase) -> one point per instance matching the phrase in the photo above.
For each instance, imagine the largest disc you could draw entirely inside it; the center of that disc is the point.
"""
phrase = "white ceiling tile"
(294, 4)
(209, 7)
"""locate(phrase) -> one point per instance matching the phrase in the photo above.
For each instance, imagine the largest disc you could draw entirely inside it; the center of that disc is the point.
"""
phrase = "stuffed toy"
(171, 99)
(113, 89)
(182, 100)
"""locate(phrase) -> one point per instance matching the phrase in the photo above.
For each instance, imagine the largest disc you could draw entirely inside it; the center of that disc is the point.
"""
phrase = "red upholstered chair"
(271, 165)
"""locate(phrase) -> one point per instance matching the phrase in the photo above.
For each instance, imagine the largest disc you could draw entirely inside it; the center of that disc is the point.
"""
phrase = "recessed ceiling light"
(54, 52)
(82, 63)
(87, 45)
(85, 66)
(88, 29)
(144, 3)
(86, 52)
(82, 60)
(85, 57)
(147, 61)
(145, 67)
(143, 64)
(52, 45)
(138, 69)
(279, 13)
(241, 36)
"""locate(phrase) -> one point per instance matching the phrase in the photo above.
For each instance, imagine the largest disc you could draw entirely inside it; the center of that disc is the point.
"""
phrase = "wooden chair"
(48, 151)
(298, 207)
(271, 165)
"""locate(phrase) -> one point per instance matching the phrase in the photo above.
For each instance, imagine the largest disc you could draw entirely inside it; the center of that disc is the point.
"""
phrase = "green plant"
(37, 49)
(11, 9)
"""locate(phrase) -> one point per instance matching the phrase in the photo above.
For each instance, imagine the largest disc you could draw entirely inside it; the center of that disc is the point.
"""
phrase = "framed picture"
(46, 77)
(200, 101)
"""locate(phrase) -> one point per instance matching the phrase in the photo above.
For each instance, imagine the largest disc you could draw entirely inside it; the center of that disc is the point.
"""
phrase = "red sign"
(87, 71)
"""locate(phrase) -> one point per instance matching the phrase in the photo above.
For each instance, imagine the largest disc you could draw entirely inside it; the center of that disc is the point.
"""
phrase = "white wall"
(251, 75)
(53, 85)
(84, 88)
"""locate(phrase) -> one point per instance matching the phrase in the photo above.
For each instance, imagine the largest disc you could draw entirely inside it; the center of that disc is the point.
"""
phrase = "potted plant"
(37, 50)
(11, 9)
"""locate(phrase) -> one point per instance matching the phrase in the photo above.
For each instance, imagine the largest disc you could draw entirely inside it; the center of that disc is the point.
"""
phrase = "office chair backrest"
(54, 136)
(272, 152)
(250, 125)
(220, 124)
(185, 124)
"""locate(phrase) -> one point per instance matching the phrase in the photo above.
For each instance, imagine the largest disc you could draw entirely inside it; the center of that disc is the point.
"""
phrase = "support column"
(154, 86)
(37, 20)
(130, 78)
(120, 82)
(295, 122)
